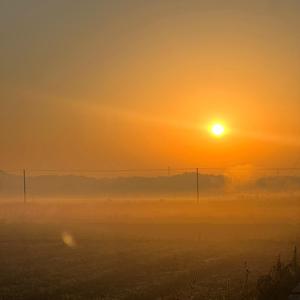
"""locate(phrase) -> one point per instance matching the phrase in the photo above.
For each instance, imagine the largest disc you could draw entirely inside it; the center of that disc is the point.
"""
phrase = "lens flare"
(68, 239)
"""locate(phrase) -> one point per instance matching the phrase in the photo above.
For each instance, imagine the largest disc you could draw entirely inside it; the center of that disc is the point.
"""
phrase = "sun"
(217, 129)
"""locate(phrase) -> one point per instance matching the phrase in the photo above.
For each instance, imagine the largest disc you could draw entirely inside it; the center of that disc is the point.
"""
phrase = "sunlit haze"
(100, 84)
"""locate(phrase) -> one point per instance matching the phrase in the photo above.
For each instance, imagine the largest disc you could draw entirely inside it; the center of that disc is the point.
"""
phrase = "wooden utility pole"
(197, 175)
(24, 186)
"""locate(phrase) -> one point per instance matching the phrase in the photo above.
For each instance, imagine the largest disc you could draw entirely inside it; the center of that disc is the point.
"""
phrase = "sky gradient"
(118, 84)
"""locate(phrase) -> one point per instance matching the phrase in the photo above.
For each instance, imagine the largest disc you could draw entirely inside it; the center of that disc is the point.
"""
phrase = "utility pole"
(197, 175)
(24, 186)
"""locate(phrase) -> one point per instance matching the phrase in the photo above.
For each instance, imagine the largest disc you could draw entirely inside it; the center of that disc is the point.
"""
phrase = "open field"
(141, 251)
(242, 209)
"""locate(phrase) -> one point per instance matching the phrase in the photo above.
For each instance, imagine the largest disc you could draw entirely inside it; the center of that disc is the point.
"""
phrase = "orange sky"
(118, 84)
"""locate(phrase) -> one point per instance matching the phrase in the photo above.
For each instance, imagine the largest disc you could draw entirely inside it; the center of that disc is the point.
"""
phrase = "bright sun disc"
(217, 129)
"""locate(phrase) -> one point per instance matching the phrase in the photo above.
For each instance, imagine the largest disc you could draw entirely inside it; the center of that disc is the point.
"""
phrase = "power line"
(168, 170)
